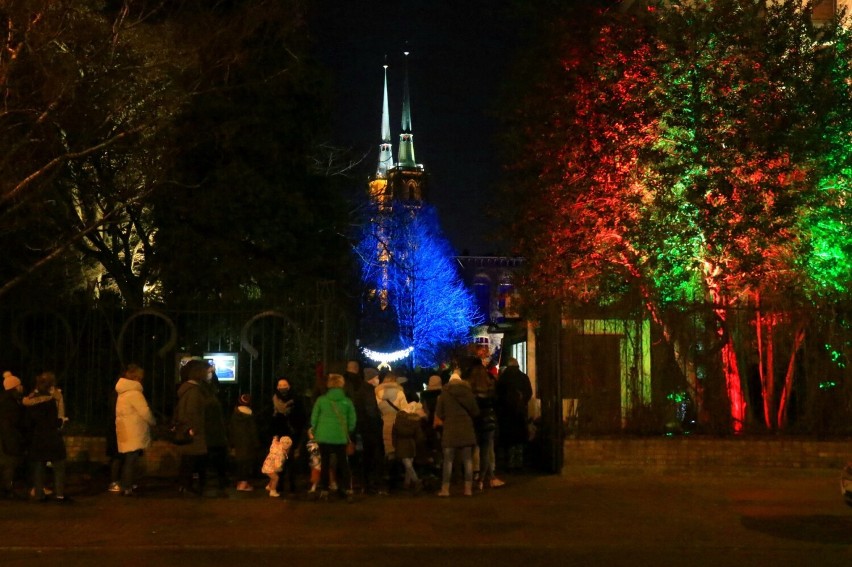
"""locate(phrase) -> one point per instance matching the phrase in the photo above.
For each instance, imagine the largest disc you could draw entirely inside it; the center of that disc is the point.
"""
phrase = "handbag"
(175, 432)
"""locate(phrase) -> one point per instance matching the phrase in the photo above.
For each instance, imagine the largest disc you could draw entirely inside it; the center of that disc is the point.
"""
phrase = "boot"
(445, 490)
(468, 488)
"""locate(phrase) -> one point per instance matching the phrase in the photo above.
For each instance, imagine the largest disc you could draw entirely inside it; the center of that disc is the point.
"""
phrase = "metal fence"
(88, 347)
(617, 374)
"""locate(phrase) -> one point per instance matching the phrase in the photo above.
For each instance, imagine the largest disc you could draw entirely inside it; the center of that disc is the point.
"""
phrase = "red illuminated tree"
(682, 153)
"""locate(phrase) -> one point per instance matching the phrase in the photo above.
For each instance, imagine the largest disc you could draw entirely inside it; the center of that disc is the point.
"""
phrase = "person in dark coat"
(190, 410)
(482, 384)
(215, 428)
(242, 435)
(11, 432)
(456, 411)
(432, 444)
(369, 431)
(353, 377)
(289, 419)
(408, 437)
(44, 425)
(514, 392)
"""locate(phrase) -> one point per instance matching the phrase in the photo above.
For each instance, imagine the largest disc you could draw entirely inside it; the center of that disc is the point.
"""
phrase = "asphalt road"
(590, 517)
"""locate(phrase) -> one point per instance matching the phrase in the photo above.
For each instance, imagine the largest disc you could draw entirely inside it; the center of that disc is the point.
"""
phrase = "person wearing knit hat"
(456, 409)
(429, 399)
(407, 437)
(11, 432)
(10, 381)
(371, 375)
(435, 383)
(242, 435)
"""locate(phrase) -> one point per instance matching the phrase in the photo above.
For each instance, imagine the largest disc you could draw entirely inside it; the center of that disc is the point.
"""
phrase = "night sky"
(459, 53)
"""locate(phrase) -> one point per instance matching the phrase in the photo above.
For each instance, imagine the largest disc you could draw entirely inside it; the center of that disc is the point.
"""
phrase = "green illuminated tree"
(705, 159)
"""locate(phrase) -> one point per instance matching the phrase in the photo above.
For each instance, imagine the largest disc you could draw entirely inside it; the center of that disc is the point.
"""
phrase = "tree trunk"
(730, 367)
(766, 362)
(784, 401)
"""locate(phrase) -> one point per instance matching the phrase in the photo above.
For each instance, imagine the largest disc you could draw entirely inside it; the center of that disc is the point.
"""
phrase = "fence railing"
(88, 347)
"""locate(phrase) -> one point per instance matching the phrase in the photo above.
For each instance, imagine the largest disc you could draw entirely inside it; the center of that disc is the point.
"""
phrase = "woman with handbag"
(456, 410)
(190, 413)
(482, 384)
(333, 422)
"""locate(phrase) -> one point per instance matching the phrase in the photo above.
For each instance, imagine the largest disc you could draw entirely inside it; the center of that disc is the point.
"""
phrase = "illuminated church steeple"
(406, 137)
(407, 181)
(404, 181)
(379, 193)
(385, 151)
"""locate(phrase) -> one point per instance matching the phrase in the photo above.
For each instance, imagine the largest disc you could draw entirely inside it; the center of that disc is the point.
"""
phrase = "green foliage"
(687, 147)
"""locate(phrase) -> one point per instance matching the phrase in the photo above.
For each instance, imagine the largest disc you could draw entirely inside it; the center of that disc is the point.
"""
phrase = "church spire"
(385, 151)
(406, 138)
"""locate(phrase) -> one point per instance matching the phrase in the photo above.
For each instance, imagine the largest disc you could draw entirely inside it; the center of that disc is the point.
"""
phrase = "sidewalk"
(593, 517)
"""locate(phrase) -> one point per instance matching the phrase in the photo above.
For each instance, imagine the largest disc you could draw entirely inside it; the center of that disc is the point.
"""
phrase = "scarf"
(284, 407)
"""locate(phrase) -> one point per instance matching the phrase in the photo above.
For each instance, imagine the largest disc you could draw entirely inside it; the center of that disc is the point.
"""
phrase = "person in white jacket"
(133, 421)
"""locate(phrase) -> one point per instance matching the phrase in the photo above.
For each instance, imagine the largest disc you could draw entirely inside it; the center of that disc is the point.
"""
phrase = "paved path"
(589, 518)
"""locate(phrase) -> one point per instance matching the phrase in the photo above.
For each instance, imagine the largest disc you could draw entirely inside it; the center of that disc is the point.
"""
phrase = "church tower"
(407, 180)
(393, 189)
(379, 192)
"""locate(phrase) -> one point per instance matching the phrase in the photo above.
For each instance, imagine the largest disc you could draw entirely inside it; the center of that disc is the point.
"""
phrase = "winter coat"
(486, 401)
(190, 409)
(367, 410)
(11, 425)
(429, 400)
(388, 393)
(274, 461)
(215, 429)
(333, 418)
(407, 434)
(133, 417)
(514, 392)
(242, 434)
(457, 409)
(43, 424)
(289, 417)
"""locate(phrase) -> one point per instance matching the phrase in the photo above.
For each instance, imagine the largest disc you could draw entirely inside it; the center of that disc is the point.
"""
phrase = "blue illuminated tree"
(415, 296)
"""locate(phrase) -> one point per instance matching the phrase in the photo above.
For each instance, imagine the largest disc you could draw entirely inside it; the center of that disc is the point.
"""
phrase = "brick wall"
(688, 454)
(696, 453)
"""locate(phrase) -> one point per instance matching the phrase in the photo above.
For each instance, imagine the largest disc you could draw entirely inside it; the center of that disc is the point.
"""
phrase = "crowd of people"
(358, 432)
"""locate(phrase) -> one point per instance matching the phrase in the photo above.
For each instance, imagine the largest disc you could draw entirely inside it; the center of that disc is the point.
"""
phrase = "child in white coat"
(274, 462)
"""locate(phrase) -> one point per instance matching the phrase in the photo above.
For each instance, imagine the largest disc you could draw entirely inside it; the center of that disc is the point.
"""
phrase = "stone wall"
(160, 459)
(694, 454)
